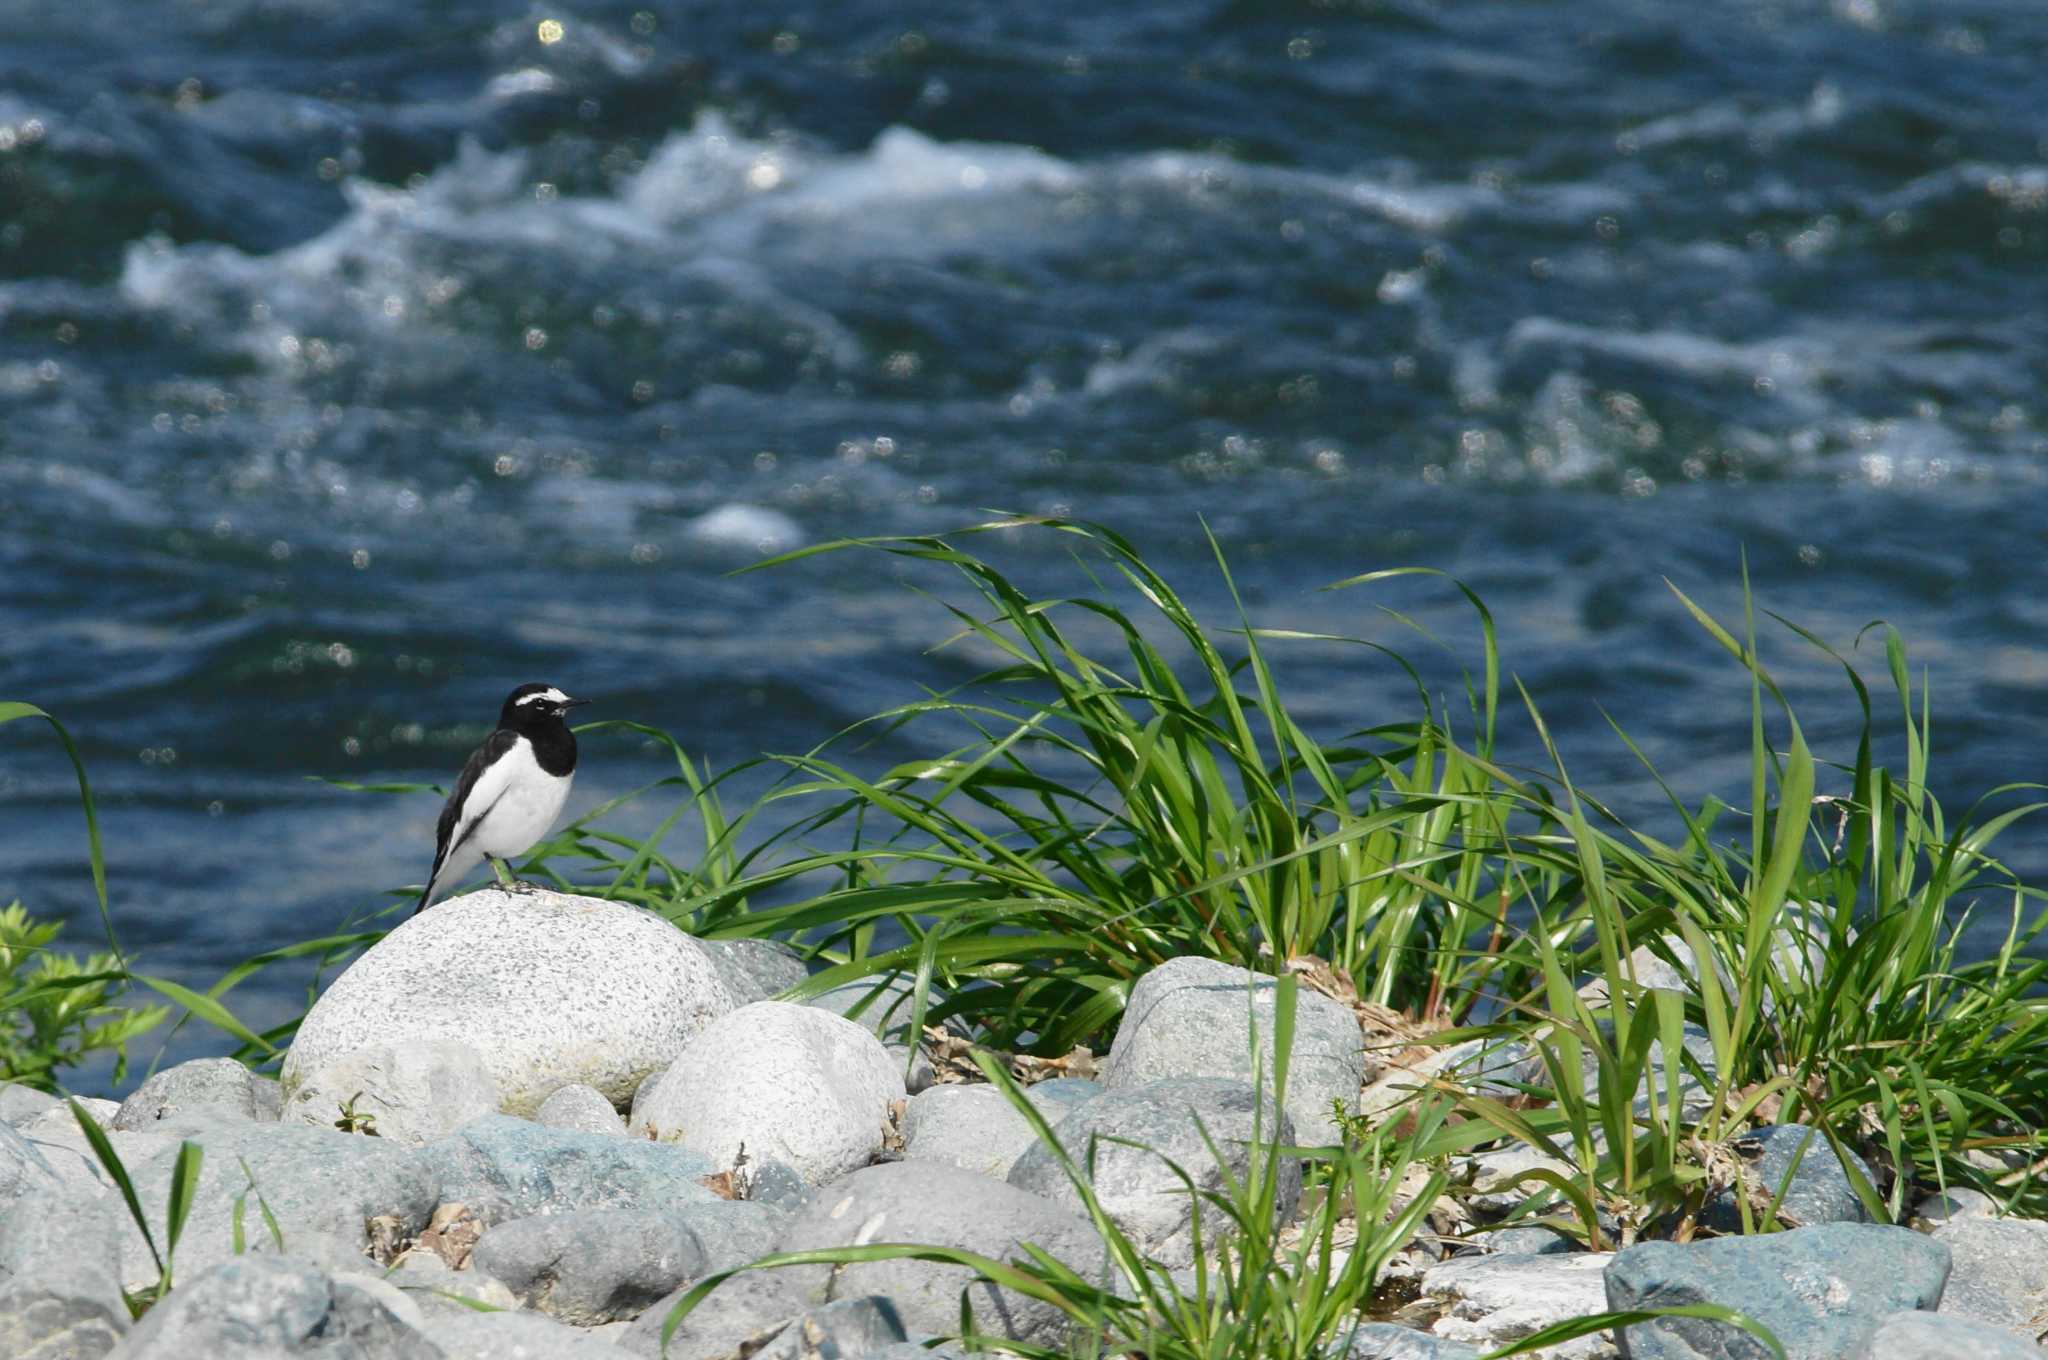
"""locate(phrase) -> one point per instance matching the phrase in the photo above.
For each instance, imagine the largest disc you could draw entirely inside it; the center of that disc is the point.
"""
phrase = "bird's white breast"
(519, 804)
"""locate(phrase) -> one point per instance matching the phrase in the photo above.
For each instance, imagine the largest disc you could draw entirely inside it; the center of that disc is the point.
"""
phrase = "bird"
(511, 790)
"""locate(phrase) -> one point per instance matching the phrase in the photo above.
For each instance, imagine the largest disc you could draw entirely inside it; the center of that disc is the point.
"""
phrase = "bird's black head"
(536, 705)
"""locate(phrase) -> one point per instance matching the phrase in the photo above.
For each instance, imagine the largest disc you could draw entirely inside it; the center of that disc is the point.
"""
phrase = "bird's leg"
(508, 882)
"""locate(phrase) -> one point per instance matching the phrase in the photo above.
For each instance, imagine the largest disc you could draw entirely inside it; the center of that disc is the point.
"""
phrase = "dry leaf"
(452, 1234)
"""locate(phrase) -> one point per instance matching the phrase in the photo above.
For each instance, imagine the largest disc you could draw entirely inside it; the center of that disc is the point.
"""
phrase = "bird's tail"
(427, 893)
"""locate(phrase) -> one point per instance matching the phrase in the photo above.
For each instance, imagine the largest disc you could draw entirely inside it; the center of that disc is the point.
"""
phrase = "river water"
(360, 361)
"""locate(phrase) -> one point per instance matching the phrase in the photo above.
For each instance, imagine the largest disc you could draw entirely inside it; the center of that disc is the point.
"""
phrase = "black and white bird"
(510, 792)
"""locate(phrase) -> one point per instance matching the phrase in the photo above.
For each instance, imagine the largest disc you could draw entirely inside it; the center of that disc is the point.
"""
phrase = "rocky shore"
(525, 1126)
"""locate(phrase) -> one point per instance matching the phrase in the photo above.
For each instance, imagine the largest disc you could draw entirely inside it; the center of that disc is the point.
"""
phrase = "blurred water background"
(361, 360)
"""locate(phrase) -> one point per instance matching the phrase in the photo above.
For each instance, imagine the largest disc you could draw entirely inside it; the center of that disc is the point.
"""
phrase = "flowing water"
(359, 361)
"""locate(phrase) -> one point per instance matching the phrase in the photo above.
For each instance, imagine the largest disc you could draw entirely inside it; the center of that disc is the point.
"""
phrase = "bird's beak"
(575, 703)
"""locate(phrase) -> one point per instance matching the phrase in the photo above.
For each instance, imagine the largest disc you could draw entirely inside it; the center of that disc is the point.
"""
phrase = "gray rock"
(915, 1066)
(756, 970)
(269, 1098)
(314, 1180)
(776, 1183)
(2001, 1271)
(738, 1316)
(1507, 1067)
(416, 1091)
(844, 1330)
(60, 1276)
(505, 1168)
(222, 1083)
(438, 1289)
(882, 1006)
(549, 988)
(794, 1083)
(1492, 1301)
(583, 1108)
(1194, 1017)
(64, 1147)
(1819, 1191)
(1935, 1336)
(640, 1094)
(266, 1307)
(463, 1334)
(1390, 1341)
(593, 1266)
(1137, 1186)
(971, 1127)
(1495, 1173)
(19, 1104)
(1946, 1206)
(929, 1203)
(1822, 1291)
(23, 1168)
(1062, 1094)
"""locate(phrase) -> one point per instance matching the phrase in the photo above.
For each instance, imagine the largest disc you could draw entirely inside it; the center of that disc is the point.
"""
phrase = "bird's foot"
(520, 885)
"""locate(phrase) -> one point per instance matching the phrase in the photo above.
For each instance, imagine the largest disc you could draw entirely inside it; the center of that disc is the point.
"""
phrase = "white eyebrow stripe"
(553, 696)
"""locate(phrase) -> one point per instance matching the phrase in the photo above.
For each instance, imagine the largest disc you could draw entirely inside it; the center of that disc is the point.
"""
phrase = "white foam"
(753, 527)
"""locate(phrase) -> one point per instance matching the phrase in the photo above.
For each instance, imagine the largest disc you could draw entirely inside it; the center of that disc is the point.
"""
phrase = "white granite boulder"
(1194, 1017)
(794, 1083)
(549, 988)
(415, 1092)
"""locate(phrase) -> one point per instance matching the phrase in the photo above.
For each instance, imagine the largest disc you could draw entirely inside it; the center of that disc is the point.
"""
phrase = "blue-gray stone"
(1822, 1291)
(1390, 1341)
(505, 1168)
(1937, 1336)
(1062, 1093)
(464, 1334)
(19, 1104)
(1819, 1192)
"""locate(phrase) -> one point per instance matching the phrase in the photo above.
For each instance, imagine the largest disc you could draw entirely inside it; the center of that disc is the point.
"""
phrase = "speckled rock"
(551, 989)
(1390, 1341)
(505, 1168)
(1936, 1336)
(314, 1180)
(1819, 1190)
(416, 1091)
(929, 1202)
(217, 1082)
(60, 1275)
(1822, 1291)
(468, 1335)
(756, 970)
(794, 1083)
(583, 1108)
(65, 1150)
(2001, 1271)
(1194, 1017)
(1166, 1120)
(1491, 1301)
(266, 1308)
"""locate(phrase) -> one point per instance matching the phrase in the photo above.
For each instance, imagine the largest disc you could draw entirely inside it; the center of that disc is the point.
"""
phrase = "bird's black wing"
(495, 746)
